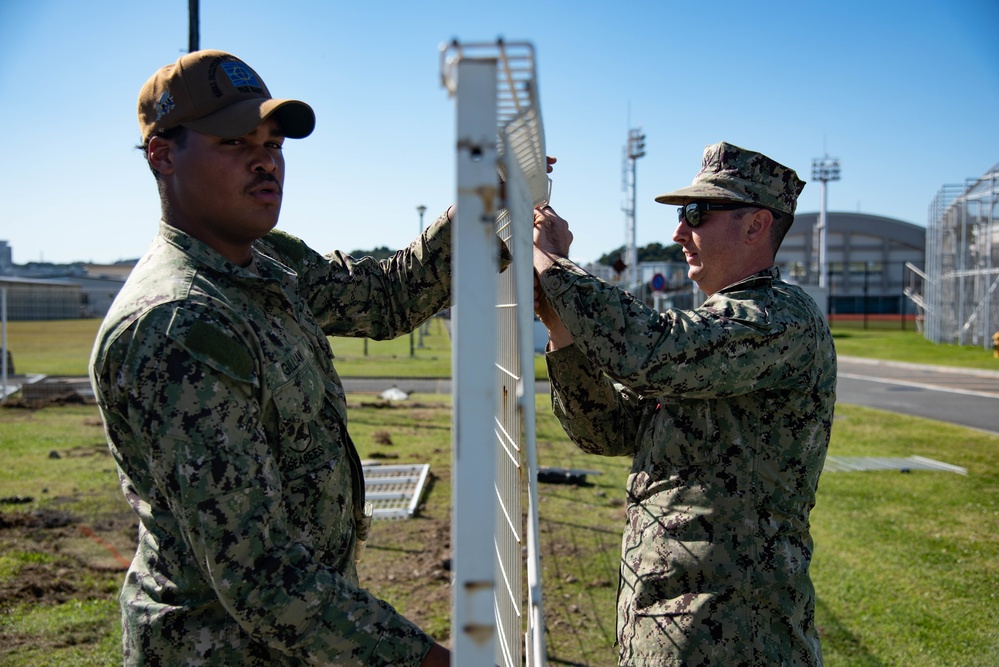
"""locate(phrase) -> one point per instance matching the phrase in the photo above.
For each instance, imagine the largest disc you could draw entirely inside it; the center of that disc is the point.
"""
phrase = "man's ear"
(759, 226)
(159, 153)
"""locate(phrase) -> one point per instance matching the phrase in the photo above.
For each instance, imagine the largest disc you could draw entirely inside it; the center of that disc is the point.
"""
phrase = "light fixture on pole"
(421, 209)
(824, 169)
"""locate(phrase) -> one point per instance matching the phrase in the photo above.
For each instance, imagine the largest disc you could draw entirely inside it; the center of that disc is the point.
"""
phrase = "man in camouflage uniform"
(726, 410)
(221, 404)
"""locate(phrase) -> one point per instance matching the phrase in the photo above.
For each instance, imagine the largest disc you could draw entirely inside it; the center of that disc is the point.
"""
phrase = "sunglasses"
(693, 211)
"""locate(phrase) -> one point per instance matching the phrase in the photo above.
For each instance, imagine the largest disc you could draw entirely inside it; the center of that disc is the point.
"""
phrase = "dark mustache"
(261, 179)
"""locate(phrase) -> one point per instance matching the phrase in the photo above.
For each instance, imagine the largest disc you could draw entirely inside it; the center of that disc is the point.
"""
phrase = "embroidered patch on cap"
(242, 77)
(164, 105)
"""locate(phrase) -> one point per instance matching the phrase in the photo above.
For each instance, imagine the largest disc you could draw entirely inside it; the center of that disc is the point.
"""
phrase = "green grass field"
(62, 347)
(889, 343)
(906, 566)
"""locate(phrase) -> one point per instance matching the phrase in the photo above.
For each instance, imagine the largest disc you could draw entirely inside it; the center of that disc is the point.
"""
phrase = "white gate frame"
(499, 134)
(473, 328)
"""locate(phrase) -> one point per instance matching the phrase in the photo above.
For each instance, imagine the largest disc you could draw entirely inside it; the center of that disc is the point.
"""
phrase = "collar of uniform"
(270, 268)
(767, 276)
(206, 256)
(199, 251)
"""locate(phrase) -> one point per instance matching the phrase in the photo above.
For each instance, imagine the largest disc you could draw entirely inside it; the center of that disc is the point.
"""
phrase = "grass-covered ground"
(884, 340)
(906, 565)
(62, 347)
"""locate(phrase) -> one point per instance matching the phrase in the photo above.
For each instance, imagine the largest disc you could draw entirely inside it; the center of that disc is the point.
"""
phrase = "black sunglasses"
(692, 211)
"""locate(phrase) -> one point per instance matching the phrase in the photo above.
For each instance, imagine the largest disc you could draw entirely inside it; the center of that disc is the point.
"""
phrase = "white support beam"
(476, 266)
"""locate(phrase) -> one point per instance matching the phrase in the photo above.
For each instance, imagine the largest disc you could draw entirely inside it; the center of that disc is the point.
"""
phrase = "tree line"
(653, 252)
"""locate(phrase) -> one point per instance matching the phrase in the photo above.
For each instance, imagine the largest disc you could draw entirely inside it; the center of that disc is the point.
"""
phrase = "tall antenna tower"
(634, 149)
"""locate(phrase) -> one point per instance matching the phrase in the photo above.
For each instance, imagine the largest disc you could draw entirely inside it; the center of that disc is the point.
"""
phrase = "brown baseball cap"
(215, 93)
(733, 174)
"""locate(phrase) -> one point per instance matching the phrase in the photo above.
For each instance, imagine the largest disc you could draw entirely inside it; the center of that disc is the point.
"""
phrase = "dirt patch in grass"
(58, 559)
(55, 558)
(408, 563)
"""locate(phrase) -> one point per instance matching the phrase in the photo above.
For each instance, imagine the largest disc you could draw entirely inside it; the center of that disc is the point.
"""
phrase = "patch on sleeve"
(214, 347)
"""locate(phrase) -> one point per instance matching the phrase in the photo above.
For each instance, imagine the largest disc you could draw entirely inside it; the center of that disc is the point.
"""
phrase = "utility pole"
(824, 169)
(634, 150)
(193, 36)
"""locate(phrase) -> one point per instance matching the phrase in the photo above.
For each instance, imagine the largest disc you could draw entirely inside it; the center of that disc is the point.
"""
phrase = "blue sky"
(905, 94)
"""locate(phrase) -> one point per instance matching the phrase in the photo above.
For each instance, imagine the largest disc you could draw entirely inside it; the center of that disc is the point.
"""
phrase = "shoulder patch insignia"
(214, 347)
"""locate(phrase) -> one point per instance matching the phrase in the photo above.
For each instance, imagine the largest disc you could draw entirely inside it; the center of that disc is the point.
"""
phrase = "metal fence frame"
(501, 177)
(961, 291)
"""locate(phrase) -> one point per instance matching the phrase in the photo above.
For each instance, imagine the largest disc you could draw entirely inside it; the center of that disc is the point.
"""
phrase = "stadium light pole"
(634, 150)
(421, 209)
(824, 169)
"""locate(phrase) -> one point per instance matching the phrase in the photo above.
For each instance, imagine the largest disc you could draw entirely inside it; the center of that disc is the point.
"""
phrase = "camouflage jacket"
(726, 410)
(228, 424)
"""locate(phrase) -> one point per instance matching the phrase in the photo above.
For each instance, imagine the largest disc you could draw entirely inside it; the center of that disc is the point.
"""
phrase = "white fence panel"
(503, 76)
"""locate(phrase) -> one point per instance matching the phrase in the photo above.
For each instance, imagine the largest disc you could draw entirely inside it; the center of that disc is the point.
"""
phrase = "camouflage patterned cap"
(733, 174)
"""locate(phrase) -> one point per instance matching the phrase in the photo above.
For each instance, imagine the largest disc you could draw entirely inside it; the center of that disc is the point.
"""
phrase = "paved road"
(965, 397)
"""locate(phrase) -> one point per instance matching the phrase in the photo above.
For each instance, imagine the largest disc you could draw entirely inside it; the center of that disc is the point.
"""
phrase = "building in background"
(6, 259)
(41, 299)
(118, 271)
(46, 291)
(661, 284)
(97, 294)
(866, 258)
